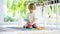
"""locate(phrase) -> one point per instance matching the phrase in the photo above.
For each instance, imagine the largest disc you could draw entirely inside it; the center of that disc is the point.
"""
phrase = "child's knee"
(28, 26)
(34, 25)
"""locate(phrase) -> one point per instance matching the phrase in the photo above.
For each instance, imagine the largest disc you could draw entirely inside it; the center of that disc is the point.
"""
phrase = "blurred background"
(48, 11)
(13, 15)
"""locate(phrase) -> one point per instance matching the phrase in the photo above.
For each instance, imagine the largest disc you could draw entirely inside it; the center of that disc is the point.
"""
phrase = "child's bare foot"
(24, 26)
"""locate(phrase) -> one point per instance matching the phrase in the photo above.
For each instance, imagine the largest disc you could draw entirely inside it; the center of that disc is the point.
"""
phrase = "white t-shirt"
(31, 16)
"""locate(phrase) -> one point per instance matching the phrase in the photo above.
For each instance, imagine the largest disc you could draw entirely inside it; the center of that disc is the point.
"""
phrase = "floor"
(13, 30)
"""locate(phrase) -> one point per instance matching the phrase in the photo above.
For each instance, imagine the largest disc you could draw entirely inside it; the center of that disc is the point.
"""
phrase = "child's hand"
(28, 21)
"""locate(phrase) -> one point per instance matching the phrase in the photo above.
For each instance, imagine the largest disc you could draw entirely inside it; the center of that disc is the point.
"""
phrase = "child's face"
(31, 8)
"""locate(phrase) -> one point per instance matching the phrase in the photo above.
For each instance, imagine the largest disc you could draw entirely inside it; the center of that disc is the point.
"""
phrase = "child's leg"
(34, 26)
(28, 25)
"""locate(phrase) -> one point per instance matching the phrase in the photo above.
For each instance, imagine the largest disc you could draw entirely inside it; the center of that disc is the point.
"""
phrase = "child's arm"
(33, 20)
(27, 20)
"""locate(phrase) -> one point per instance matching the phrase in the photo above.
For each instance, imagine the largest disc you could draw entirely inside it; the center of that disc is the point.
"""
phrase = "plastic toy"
(40, 28)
